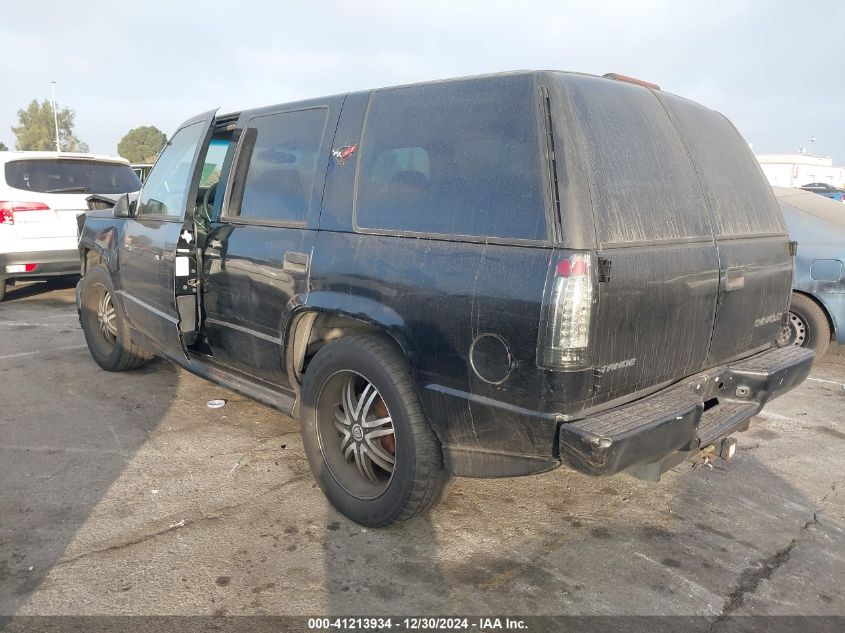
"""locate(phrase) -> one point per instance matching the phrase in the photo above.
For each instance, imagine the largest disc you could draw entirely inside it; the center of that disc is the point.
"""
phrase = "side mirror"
(123, 208)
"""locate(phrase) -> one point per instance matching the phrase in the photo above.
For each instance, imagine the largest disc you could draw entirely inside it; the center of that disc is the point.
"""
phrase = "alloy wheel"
(356, 434)
(103, 319)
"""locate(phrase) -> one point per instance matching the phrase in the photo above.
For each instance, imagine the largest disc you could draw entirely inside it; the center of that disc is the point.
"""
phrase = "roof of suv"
(608, 76)
(7, 156)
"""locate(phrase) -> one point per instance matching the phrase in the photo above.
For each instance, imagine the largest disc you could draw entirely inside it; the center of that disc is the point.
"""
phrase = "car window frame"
(199, 152)
(545, 181)
(239, 169)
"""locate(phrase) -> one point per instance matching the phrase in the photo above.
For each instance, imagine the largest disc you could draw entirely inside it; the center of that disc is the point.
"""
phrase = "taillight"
(567, 314)
(8, 209)
(21, 268)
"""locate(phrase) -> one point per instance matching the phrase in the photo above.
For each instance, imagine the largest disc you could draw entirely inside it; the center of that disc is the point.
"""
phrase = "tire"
(808, 325)
(354, 469)
(2, 289)
(110, 347)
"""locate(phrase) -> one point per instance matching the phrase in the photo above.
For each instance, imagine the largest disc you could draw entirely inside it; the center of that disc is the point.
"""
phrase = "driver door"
(158, 265)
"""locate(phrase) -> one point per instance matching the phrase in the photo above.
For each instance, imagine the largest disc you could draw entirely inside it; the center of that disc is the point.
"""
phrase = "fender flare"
(352, 307)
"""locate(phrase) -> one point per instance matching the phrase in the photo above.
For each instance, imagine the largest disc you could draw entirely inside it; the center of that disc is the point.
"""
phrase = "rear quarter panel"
(101, 233)
(435, 297)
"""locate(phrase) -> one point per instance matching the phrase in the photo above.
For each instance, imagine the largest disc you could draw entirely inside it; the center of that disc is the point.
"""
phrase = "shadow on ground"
(63, 442)
(26, 290)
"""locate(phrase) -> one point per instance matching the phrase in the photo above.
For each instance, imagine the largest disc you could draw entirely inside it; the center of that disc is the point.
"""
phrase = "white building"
(796, 170)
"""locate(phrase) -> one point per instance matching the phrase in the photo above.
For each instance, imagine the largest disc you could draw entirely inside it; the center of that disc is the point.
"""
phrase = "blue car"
(826, 190)
(817, 311)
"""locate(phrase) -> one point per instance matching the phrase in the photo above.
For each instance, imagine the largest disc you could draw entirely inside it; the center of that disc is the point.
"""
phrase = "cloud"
(770, 66)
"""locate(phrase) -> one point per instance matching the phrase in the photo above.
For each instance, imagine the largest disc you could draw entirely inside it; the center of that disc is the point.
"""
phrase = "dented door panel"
(257, 259)
(248, 294)
(147, 257)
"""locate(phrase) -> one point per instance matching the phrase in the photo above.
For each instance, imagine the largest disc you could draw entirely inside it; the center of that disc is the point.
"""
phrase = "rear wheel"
(368, 443)
(104, 325)
(2, 289)
(808, 325)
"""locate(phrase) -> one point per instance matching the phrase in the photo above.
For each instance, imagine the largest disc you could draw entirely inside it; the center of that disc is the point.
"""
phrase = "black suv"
(482, 277)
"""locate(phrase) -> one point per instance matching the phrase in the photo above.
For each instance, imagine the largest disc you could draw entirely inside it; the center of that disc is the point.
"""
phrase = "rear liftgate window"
(71, 176)
(457, 158)
(736, 190)
(643, 184)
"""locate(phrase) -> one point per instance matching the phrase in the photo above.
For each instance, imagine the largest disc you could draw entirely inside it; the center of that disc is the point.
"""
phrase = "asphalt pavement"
(125, 494)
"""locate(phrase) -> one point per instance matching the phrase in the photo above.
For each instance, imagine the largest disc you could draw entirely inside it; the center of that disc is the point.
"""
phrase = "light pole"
(55, 116)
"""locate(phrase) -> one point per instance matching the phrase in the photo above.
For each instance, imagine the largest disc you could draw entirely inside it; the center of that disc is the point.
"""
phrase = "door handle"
(295, 262)
(734, 279)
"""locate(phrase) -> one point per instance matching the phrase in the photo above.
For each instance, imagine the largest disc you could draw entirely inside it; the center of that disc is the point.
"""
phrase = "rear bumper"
(660, 430)
(49, 263)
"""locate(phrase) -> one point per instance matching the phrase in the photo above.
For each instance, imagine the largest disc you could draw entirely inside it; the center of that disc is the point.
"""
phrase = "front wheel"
(369, 445)
(104, 325)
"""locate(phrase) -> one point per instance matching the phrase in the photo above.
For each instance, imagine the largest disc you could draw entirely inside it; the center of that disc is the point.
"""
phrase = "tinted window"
(283, 153)
(458, 158)
(735, 188)
(71, 176)
(167, 185)
(642, 184)
(213, 165)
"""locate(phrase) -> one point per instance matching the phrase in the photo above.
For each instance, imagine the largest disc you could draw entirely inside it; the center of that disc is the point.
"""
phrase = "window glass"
(391, 162)
(456, 158)
(166, 188)
(71, 176)
(735, 189)
(644, 186)
(213, 165)
(282, 165)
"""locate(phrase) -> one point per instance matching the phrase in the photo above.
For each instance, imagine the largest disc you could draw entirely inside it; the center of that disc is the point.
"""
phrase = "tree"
(3, 147)
(142, 144)
(36, 129)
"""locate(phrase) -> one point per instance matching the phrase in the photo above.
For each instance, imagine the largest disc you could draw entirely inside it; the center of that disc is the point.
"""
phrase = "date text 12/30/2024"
(481, 624)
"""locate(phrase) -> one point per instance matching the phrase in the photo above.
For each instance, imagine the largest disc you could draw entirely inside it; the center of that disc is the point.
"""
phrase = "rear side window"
(643, 185)
(736, 190)
(71, 176)
(283, 152)
(454, 158)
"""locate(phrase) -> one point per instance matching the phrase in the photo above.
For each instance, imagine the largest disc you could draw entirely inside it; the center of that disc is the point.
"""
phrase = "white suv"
(41, 193)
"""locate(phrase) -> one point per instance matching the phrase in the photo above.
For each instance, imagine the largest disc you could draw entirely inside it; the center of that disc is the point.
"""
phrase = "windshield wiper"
(68, 189)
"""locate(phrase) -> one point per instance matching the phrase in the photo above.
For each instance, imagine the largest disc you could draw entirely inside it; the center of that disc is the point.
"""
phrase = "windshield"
(71, 176)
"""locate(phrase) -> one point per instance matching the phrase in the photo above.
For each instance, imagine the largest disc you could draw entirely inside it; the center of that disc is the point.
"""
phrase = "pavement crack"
(135, 541)
(750, 579)
(188, 519)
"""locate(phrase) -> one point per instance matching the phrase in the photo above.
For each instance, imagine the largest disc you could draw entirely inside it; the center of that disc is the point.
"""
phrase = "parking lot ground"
(125, 494)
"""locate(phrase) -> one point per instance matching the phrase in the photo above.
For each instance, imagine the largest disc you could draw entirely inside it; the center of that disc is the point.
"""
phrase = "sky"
(775, 68)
